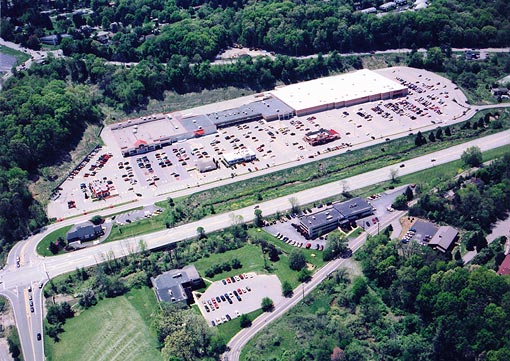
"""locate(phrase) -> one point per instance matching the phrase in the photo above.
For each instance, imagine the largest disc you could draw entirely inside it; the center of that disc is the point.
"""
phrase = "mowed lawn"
(115, 329)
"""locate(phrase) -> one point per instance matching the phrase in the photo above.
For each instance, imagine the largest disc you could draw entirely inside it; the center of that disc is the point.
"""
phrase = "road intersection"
(35, 269)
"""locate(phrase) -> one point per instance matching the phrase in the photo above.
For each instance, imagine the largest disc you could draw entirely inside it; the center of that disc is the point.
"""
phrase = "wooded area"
(198, 29)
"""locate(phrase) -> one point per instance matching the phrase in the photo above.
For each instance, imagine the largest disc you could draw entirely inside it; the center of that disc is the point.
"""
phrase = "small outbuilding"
(206, 165)
(84, 232)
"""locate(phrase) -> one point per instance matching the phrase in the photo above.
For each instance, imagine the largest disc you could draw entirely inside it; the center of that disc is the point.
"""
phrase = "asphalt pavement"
(240, 339)
(34, 268)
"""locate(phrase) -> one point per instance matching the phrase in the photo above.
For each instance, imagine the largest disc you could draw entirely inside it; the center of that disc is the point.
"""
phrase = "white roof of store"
(334, 89)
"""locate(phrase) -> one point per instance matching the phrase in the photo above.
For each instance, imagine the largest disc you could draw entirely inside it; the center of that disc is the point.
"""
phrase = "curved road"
(35, 268)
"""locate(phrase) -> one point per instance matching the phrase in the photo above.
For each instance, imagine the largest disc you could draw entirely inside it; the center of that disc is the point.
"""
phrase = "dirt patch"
(407, 223)
(51, 176)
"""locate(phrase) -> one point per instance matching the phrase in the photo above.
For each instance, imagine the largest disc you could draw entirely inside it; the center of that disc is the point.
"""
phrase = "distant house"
(499, 91)
(388, 6)
(444, 239)
(370, 10)
(504, 267)
(53, 39)
(84, 232)
(175, 286)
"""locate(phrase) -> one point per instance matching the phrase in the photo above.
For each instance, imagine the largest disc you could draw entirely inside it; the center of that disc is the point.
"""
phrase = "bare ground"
(51, 176)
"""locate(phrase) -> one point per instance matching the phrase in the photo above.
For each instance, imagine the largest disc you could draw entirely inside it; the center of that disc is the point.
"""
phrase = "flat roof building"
(240, 156)
(319, 223)
(269, 108)
(388, 6)
(338, 91)
(206, 165)
(354, 209)
(176, 285)
(370, 10)
(146, 134)
(321, 136)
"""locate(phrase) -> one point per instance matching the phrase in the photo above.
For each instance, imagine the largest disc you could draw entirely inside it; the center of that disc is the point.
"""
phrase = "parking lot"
(432, 101)
(285, 228)
(233, 296)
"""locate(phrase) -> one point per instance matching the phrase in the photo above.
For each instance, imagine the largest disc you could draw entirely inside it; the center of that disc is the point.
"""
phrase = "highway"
(34, 268)
(241, 339)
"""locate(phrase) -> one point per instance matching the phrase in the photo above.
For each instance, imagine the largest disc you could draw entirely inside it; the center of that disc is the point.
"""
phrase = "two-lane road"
(34, 268)
(241, 339)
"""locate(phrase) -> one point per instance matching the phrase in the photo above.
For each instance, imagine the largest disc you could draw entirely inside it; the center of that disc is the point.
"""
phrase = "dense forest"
(41, 118)
(198, 29)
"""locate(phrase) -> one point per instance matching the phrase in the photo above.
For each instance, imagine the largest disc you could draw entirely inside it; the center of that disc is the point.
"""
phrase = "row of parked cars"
(409, 235)
(213, 304)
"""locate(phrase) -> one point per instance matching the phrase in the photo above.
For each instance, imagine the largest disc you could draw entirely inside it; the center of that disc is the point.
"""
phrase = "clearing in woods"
(115, 329)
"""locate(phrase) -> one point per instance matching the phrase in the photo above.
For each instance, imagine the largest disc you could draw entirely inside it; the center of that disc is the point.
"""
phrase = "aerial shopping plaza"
(162, 153)
(137, 136)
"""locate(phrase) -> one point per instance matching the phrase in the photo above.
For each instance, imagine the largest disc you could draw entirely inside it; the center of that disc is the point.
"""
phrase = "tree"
(259, 220)
(267, 304)
(335, 245)
(419, 139)
(304, 275)
(359, 288)
(245, 321)
(394, 175)
(409, 194)
(201, 233)
(297, 260)
(432, 137)
(97, 220)
(400, 202)
(439, 134)
(435, 59)
(447, 131)
(472, 156)
(87, 298)
(287, 289)
(294, 204)
(53, 247)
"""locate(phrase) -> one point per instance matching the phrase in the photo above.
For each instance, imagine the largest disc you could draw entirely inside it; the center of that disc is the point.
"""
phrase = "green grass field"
(143, 226)
(249, 255)
(229, 329)
(21, 57)
(42, 247)
(115, 329)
